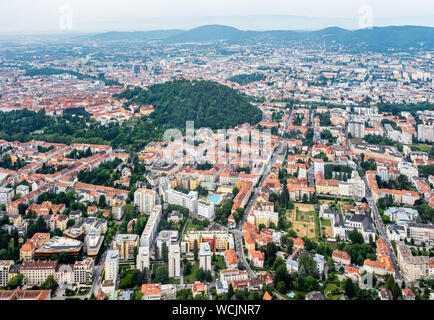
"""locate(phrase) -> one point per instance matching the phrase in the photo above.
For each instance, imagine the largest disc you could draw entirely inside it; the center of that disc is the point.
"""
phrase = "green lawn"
(331, 293)
(191, 278)
(326, 222)
(420, 147)
(192, 226)
(220, 261)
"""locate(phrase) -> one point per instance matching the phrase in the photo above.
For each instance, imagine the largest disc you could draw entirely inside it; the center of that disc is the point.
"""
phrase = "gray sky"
(102, 15)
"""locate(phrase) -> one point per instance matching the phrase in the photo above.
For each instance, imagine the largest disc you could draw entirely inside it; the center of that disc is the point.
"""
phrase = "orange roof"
(266, 296)
(350, 269)
(231, 256)
(198, 287)
(341, 254)
(254, 254)
(151, 289)
(298, 242)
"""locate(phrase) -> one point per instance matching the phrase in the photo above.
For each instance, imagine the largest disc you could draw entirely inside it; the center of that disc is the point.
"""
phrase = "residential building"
(5, 266)
(144, 200)
(174, 261)
(36, 272)
(125, 244)
(111, 265)
(205, 256)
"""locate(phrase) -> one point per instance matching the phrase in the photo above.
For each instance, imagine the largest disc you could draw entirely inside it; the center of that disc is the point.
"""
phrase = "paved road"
(381, 230)
(240, 252)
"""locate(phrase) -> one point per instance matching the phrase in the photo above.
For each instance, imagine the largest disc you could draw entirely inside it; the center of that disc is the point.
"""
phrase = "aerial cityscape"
(217, 163)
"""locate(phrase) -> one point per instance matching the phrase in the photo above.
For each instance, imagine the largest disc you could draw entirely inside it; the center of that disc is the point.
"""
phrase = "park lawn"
(220, 261)
(191, 278)
(326, 222)
(328, 291)
(192, 226)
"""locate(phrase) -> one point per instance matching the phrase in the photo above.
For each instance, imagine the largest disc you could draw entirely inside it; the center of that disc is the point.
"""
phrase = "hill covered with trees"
(207, 103)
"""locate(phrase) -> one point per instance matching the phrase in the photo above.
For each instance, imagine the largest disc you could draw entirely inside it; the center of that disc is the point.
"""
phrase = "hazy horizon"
(79, 16)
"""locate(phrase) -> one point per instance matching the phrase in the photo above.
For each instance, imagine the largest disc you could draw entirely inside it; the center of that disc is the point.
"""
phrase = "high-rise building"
(144, 200)
(143, 258)
(356, 129)
(205, 256)
(126, 243)
(188, 201)
(111, 266)
(205, 209)
(174, 261)
(5, 265)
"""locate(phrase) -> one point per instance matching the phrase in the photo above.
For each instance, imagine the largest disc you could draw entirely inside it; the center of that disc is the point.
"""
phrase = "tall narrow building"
(144, 200)
(205, 256)
(174, 261)
(111, 266)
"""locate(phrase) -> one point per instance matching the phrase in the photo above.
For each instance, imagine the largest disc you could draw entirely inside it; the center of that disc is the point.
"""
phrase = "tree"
(57, 232)
(281, 287)
(308, 263)
(161, 274)
(355, 237)
(15, 282)
(288, 243)
(187, 267)
(137, 295)
(196, 250)
(63, 257)
(135, 253)
(70, 223)
(230, 292)
(102, 202)
(165, 252)
(49, 283)
(350, 291)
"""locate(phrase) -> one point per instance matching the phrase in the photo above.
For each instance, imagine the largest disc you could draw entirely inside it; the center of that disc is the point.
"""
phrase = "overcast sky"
(101, 15)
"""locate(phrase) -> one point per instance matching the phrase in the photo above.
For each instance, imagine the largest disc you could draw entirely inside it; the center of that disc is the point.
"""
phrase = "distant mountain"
(376, 39)
(211, 33)
(137, 35)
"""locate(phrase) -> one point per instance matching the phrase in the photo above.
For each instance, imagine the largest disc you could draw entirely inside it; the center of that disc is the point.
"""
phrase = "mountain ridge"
(376, 38)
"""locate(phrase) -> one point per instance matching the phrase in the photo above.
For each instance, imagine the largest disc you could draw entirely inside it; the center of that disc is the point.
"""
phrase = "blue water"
(291, 294)
(214, 198)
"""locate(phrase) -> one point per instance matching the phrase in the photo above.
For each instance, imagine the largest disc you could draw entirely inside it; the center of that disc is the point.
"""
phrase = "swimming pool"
(214, 198)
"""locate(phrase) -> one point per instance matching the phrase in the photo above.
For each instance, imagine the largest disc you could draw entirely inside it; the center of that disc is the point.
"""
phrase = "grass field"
(420, 147)
(192, 226)
(326, 222)
(191, 278)
(331, 291)
(302, 218)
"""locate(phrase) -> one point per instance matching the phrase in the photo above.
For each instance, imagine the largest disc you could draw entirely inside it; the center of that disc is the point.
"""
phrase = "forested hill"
(207, 103)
